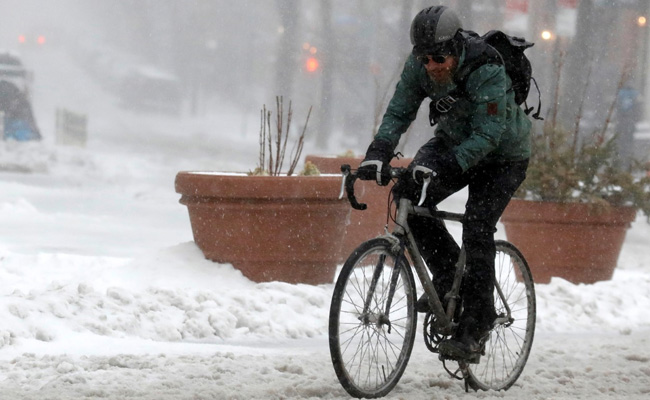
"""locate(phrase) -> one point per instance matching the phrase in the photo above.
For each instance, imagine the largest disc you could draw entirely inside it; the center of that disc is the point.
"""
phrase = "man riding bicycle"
(482, 141)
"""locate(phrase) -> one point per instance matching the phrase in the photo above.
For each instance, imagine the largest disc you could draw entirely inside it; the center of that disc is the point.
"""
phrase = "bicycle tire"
(509, 345)
(369, 355)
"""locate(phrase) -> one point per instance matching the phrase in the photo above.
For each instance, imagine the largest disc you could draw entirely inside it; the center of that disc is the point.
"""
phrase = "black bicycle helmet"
(433, 31)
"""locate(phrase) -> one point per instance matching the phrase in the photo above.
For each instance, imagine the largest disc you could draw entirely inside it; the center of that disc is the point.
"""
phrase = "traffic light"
(25, 40)
(312, 64)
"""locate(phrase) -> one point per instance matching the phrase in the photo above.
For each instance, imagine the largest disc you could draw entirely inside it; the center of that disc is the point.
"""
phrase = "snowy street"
(103, 294)
(562, 366)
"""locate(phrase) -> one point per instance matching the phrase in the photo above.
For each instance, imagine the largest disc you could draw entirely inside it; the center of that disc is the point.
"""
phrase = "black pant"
(490, 186)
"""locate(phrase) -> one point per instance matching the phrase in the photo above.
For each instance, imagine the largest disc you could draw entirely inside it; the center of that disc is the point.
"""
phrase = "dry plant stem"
(557, 97)
(279, 107)
(286, 136)
(576, 130)
(267, 126)
(301, 142)
(621, 82)
(282, 141)
(262, 140)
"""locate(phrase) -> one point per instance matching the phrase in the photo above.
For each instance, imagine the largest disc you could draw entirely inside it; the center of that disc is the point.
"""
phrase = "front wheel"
(510, 341)
(372, 320)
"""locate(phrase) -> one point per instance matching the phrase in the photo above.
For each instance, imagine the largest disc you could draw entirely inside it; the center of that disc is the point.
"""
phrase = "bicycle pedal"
(453, 353)
(473, 359)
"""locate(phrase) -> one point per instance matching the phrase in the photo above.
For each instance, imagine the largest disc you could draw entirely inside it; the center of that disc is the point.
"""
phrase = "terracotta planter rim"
(567, 213)
(230, 173)
(332, 156)
(564, 203)
(209, 185)
(561, 203)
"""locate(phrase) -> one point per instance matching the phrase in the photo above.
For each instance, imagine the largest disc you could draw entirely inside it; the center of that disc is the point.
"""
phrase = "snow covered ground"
(104, 295)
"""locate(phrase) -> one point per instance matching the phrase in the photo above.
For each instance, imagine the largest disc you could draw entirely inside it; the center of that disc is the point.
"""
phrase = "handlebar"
(350, 177)
(347, 186)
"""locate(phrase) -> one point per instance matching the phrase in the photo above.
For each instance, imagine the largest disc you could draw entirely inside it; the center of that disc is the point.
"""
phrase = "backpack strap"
(476, 57)
(539, 103)
(518, 46)
(477, 54)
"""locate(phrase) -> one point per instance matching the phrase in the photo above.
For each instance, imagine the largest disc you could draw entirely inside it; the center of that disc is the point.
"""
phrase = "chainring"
(431, 336)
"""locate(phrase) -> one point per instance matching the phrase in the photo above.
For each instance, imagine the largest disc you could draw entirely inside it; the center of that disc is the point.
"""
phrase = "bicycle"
(373, 322)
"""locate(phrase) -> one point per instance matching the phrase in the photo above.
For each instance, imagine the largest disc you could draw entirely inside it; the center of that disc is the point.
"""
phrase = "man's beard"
(441, 78)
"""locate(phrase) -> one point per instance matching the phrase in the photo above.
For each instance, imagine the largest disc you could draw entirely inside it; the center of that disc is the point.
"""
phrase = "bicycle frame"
(402, 238)
(443, 320)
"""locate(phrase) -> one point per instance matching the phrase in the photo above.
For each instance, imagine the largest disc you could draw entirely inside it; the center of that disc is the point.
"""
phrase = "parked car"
(16, 117)
(12, 70)
(147, 89)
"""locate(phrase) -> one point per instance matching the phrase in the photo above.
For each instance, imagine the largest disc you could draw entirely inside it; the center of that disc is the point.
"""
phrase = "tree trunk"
(289, 11)
(542, 17)
(581, 57)
(328, 53)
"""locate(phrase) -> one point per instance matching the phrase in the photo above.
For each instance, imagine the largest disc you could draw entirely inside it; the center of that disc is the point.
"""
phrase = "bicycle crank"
(431, 336)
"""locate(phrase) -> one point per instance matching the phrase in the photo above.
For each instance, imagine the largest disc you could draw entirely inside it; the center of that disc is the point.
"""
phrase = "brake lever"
(427, 174)
(423, 195)
(345, 171)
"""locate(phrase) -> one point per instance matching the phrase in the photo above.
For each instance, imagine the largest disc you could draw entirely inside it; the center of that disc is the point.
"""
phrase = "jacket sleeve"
(404, 104)
(487, 89)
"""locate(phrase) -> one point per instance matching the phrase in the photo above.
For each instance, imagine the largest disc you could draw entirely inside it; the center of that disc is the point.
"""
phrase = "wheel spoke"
(509, 345)
(367, 358)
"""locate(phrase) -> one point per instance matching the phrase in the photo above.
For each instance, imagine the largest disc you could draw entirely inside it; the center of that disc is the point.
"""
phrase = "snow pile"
(23, 157)
(617, 305)
(173, 295)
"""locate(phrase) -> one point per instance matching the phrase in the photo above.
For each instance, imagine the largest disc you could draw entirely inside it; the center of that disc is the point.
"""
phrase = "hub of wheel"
(378, 320)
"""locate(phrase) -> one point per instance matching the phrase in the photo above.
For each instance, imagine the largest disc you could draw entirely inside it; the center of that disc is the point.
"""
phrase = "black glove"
(378, 157)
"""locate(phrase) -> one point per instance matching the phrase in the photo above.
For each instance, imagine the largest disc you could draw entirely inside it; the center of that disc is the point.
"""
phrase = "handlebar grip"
(350, 179)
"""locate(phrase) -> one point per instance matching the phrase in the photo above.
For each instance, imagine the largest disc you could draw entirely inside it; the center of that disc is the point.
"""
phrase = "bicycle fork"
(382, 319)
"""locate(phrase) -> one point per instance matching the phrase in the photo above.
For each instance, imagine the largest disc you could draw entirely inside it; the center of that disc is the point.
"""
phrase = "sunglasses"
(438, 59)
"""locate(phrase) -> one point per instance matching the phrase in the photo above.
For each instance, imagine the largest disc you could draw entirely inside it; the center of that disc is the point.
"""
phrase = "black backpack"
(495, 47)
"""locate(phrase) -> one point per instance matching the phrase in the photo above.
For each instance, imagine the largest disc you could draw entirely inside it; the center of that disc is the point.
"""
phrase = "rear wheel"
(509, 344)
(372, 320)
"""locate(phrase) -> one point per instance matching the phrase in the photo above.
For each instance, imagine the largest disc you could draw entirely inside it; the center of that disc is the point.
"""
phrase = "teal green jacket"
(486, 124)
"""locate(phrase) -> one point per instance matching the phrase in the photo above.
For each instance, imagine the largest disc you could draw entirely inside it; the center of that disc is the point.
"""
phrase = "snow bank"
(172, 295)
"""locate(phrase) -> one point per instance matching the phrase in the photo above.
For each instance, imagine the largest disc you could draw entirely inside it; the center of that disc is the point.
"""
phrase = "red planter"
(369, 223)
(567, 240)
(270, 228)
